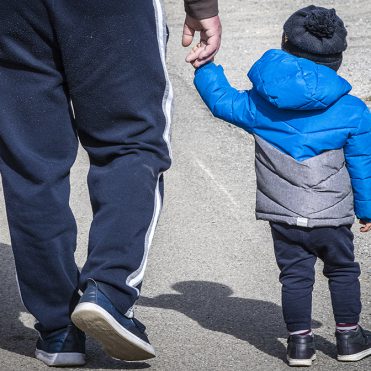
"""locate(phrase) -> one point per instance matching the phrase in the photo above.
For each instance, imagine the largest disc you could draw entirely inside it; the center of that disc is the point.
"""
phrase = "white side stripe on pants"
(136, 277)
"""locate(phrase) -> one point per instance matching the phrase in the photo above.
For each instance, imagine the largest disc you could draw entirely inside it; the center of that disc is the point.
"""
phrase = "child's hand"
(195, 51)
(366, 226)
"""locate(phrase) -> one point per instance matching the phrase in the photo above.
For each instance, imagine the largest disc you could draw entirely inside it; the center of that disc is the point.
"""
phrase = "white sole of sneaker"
(60, 359)
(301, 362)
(354, 357)
(117, 342)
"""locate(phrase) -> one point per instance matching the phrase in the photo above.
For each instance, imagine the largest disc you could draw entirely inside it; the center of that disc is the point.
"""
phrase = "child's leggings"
(296, 250)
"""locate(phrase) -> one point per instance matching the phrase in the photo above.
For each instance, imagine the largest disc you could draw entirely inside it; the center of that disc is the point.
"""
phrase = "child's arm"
(358, 158)
(224, 101)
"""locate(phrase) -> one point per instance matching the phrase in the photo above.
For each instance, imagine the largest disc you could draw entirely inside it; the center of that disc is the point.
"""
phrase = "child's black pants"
(296, 250)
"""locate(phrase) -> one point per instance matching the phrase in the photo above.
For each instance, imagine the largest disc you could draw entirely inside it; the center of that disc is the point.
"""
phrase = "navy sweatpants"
(296, 250)
(108, 58)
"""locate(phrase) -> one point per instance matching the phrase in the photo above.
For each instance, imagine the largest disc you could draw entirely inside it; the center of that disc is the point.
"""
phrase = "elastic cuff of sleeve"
(204, 67)
(202, 9)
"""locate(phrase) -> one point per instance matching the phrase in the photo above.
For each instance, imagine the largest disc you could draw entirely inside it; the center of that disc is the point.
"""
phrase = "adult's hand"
(210, 36)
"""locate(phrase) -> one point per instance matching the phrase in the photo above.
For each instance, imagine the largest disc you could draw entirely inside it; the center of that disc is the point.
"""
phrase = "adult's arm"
(201, 9)
(202, 16)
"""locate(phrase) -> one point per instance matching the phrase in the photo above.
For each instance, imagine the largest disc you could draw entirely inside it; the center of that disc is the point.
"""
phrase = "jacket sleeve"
(201, 9)
(224, 101)
(358, 158)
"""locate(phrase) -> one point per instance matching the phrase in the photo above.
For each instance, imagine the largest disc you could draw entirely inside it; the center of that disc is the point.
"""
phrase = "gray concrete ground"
(211, 298)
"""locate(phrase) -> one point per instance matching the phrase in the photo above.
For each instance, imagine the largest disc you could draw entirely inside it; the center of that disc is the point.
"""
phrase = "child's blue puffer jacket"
(310, 136)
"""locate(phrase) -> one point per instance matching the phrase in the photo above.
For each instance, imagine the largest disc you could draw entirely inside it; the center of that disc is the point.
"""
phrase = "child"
(313, 168)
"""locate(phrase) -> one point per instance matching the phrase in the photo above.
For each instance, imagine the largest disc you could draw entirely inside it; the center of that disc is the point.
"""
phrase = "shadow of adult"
(14, 336)
(17, 338)
(258, 322)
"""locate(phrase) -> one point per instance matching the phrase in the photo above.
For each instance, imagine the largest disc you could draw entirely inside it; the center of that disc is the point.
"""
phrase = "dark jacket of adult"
(201, 9)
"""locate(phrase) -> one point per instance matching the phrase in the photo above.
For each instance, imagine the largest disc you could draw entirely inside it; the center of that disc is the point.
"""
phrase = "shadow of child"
(210, 304)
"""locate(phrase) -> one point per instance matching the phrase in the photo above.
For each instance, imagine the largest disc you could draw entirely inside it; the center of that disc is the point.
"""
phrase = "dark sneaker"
(64, 347)
(122, 337)
(353, 345)
(301, 350)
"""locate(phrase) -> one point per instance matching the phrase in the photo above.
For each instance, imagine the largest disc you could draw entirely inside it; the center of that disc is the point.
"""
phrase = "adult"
(108, 58)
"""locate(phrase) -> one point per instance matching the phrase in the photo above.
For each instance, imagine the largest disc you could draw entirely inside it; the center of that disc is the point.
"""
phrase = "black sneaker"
(64, 347)
(353, 345)
(122, 337)
(301, 350)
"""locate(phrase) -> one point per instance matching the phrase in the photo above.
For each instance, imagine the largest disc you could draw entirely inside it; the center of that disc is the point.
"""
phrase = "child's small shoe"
(301, 350)
(353, 345)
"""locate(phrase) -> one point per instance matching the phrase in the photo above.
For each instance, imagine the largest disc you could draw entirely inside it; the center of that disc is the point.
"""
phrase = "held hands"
(210, 38)
(197, 49)
(366, 226)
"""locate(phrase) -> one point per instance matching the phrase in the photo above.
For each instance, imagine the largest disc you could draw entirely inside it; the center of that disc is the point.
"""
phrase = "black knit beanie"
(317, 34)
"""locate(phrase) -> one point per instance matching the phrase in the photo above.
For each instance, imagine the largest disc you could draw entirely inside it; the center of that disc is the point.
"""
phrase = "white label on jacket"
(302, 222)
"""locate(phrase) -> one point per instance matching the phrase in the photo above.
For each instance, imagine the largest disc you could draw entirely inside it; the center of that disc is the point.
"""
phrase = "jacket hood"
(289, 82)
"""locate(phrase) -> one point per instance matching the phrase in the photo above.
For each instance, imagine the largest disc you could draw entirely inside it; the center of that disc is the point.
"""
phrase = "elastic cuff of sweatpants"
(353, 319)
(122, 301)
(202, 9)
(300, 326)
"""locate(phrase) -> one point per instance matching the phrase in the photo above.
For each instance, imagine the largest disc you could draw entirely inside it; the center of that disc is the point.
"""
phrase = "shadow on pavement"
(258, 322)
(15, 337)
(97, 359)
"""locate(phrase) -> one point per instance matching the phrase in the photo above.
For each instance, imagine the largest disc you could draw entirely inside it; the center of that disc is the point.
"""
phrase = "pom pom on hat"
(321, 22)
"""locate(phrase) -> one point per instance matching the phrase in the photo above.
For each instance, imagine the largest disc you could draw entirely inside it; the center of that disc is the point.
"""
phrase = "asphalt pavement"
(211, 296)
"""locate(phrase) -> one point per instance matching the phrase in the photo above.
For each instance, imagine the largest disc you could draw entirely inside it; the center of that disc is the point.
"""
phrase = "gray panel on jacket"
(313, 192)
